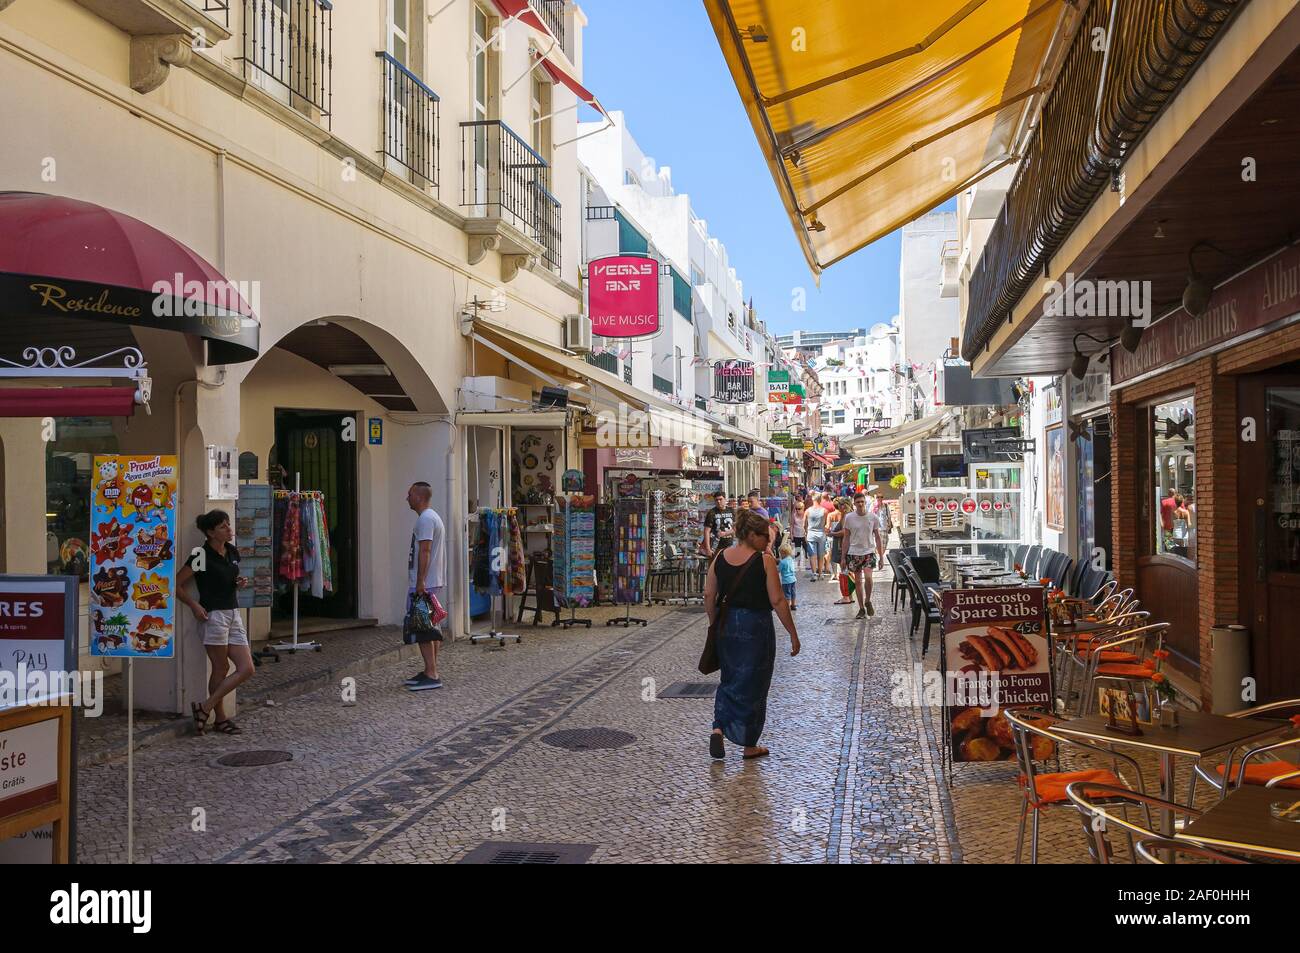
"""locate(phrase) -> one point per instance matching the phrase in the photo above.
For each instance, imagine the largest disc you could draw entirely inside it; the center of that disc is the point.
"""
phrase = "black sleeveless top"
(752, 591)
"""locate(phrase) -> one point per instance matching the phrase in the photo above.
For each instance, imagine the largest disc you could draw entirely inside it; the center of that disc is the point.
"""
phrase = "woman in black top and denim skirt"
(747, 643)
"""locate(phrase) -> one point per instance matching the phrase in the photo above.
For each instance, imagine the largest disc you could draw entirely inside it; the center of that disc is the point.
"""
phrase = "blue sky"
(662, 67)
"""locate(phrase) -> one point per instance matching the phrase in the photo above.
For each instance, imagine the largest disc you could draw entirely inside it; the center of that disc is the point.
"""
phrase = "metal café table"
(1242, 822)
(1198, 735)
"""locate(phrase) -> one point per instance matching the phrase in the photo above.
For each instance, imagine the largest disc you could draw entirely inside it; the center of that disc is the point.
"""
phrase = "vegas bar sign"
(733, 382)
(623, 296)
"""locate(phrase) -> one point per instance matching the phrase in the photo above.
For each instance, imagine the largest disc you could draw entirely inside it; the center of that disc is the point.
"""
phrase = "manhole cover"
(589, 739)
(253, 759)
(689, 690)
(494, 852)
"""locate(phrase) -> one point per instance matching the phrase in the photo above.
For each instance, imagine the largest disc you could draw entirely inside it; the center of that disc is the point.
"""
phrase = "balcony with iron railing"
(1098, 109)
(506, 191)
(410, 123)
(552, 14)
(288, 52)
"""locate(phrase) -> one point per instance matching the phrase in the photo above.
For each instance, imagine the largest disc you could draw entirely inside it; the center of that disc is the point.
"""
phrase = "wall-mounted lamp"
(755, 34)
(1197, 294)
(1079, 365)
(1130, 337)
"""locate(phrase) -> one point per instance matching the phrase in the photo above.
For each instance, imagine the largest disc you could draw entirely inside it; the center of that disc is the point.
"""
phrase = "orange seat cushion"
(1112, 655)
(1127, 669)
(1050, 788)
(1262, 772)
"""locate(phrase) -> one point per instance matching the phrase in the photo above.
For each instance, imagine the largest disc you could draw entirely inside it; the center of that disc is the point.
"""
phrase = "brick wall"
(1216, 499)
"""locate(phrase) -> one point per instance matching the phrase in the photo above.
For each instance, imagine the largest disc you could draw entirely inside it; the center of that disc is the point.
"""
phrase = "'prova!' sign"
(623, 296)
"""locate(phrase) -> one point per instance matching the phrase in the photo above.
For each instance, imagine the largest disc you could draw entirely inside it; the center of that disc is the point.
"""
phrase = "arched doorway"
(330, 408)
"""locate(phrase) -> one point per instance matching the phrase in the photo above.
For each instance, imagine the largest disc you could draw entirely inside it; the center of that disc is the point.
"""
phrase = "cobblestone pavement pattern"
(427, 777)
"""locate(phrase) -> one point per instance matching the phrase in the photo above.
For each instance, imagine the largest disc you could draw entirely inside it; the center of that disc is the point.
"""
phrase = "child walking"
(786, 567)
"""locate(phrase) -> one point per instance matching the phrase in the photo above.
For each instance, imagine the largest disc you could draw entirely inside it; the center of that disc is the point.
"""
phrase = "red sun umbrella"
(67, 258)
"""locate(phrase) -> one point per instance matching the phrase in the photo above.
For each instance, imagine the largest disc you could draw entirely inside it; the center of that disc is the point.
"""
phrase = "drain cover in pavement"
(496, 852)
(589, 739)
(253, 759)
(689, 690)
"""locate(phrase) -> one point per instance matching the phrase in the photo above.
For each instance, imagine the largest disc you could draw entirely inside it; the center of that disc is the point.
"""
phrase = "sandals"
(716, 750)
(760, 753)
(227, 727)
(200, 717)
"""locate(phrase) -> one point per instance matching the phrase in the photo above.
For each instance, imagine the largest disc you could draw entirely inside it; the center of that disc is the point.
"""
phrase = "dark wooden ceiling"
(1208, 200)
(332, 344)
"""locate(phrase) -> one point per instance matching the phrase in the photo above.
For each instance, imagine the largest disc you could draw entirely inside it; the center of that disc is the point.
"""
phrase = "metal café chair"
(1142, 642)
(899, 590)
(1268, 769)
(1105, 589)
(1076, 655)
(1093, 800)
(1149, 848)
(1044, 790)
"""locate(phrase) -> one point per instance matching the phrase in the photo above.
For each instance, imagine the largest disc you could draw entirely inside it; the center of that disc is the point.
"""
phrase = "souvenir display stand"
(298, 496)
(606, 546)
(254, 537)
(575, 556)
(632, 556)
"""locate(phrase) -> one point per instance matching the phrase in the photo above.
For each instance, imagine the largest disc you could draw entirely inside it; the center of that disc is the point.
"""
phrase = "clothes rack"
(495, 518)
(298, 493)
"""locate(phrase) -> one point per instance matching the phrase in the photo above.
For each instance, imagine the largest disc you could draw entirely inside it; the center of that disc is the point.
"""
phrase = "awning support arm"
(516, 359)
(922, 143)
(823, 134)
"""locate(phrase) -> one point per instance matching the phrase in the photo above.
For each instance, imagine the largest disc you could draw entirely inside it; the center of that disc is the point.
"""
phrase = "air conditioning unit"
(577, 332)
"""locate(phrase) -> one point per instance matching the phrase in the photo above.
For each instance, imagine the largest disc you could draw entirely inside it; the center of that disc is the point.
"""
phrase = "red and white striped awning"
(522, 11)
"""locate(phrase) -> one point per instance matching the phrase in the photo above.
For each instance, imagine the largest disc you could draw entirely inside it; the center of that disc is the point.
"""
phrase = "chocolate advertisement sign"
(997, 655)
(133, 555)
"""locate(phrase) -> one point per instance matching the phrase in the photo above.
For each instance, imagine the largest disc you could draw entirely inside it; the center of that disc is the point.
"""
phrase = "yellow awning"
(872, 112)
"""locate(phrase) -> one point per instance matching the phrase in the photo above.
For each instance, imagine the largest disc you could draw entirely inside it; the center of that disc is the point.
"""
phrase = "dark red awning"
(67, 401)
(61, 257)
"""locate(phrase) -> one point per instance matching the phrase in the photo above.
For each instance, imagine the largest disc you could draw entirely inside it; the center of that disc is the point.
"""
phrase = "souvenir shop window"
(1173, 472)
(69, 458)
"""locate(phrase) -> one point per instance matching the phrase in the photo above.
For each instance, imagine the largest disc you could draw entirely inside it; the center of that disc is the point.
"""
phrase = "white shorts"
(224, 627)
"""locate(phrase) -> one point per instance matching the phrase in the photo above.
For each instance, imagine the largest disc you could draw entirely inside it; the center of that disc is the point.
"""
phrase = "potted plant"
(898, 482)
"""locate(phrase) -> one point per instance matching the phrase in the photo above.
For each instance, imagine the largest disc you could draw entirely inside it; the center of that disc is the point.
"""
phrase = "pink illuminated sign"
(623, 296)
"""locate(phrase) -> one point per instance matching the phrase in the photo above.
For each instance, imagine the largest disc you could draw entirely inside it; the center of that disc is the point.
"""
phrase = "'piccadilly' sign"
(623, 296)
(733, 382)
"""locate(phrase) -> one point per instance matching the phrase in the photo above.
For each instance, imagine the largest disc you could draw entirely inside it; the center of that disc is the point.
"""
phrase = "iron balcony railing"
(288, 51)
(502, 176)
(410, 121)
(1101, 104)
(552, 13)
(600, 213)
(662, 384)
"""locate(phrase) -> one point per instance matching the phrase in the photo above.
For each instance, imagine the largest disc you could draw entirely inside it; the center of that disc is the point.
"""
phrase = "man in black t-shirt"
(718, 525)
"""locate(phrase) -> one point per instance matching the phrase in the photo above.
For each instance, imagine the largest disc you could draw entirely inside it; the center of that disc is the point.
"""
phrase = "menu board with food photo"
(133, 555)
(997, 655)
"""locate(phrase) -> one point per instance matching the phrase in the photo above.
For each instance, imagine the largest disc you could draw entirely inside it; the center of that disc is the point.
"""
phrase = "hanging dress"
(291, 542)
(516, 580)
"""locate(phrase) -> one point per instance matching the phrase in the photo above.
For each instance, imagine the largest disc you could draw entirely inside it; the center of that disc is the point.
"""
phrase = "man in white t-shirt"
(427, 568)
(860, 532)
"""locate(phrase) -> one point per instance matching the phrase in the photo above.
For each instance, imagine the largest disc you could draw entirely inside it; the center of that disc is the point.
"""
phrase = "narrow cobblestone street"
(430, 776)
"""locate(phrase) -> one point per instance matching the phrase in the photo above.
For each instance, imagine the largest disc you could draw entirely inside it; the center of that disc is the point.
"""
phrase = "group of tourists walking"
(752, 578)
